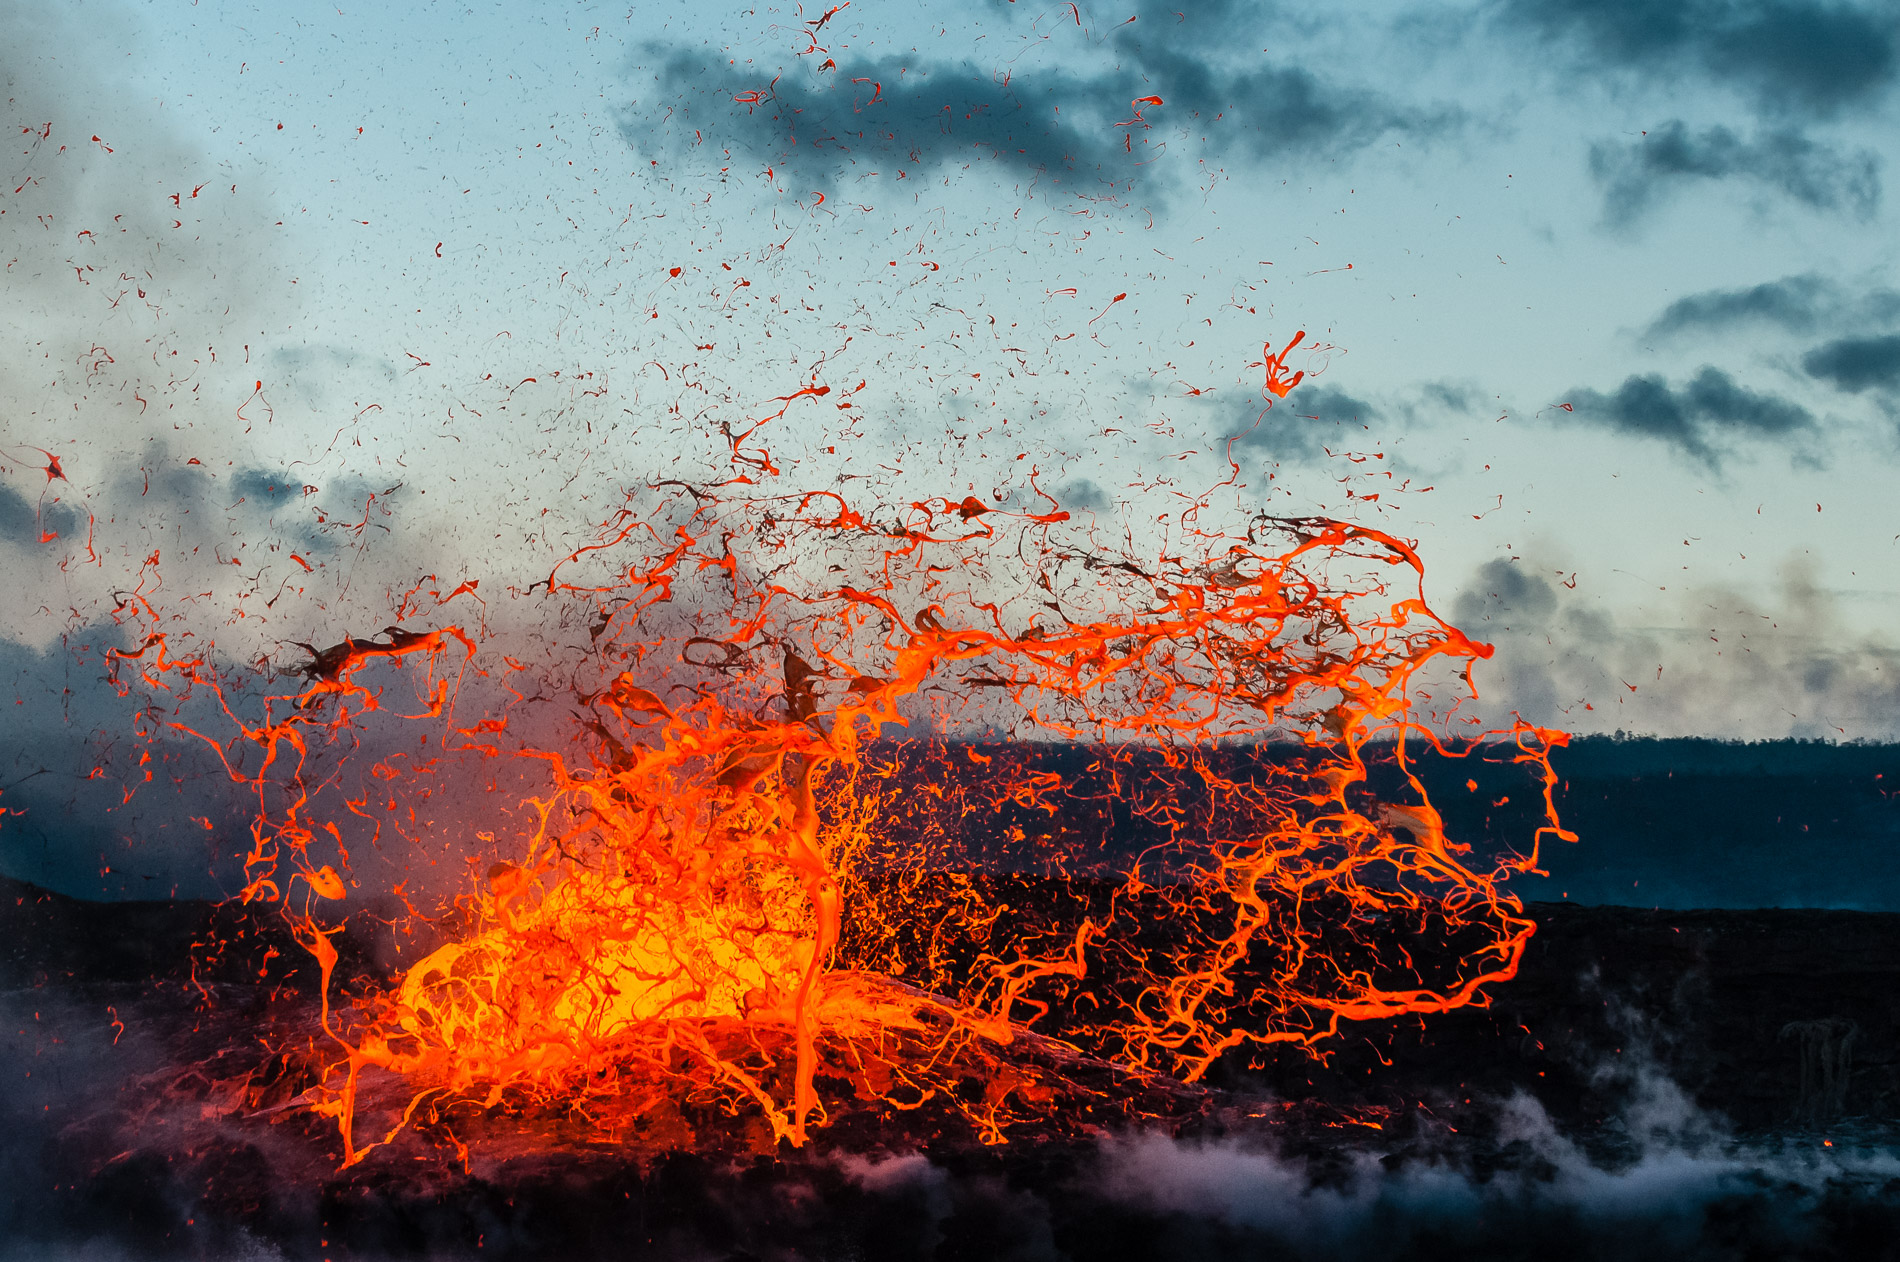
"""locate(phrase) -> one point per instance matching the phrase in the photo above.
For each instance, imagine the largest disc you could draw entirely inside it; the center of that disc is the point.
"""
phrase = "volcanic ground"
(1654, 1082)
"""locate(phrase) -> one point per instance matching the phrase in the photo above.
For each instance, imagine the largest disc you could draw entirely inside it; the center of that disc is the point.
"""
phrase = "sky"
(1598, 298)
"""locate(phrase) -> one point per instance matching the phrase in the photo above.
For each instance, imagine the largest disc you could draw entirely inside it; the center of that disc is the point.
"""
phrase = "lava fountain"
(738, 884)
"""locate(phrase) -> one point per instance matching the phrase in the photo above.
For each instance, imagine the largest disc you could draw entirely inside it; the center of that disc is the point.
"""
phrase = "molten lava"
(736, 877)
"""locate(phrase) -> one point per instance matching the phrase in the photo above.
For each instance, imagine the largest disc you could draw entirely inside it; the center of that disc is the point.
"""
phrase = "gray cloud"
(1279, 111)
(1505, 590)
(1712, 660)
(244, 564)
(107, 210)
(870, 115)
(1325, 403)
(1694, 417)
(1433, 402)
(1855, 364)
(23, 522)
(266, 488)
(1300, 426)
(315, 375)
(1805, 58)
(1793, 302)
(1804, 303)
(1636, 176)
(1083, 494)
(883, 118)
(138, 267)
(1451, 395)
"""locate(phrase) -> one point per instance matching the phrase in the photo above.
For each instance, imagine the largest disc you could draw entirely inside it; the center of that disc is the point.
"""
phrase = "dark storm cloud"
(1695, 417)
(1855, 364)
(1798, 58)
(869, 115)
(1637, 175)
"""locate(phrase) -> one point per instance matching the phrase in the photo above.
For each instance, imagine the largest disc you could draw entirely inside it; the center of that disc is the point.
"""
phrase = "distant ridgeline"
(1706, 823)
(1662, 823)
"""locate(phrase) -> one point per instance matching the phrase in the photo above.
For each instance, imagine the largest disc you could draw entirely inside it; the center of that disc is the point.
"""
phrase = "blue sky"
(1673, 218)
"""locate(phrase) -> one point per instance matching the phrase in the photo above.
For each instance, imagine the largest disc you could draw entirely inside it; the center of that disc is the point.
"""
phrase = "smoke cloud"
(1716, 662)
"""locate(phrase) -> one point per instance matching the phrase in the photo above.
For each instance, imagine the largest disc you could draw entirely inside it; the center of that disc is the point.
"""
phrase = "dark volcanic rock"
(1714, 999)
(1705, 998)
(164, 1135)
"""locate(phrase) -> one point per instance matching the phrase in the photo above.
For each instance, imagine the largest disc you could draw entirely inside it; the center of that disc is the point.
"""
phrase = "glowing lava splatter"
(717, 887)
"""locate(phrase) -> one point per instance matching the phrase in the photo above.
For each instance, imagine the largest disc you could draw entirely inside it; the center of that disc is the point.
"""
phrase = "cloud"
(1279, 111)
(1805, 58)
(1452, 396)
(1635, 176)
(1505, 589)
(1804, 303)
(124, 240)
(885, 116)
(1433, 402)
(1327, 403)
(241, 565)
(869, 117)
(1078, 494)
(1793, 302)
(138, 267)
(1300, 426)
(1714, 660)
(1855, 364)
(22, 521)
(1694, 417)
(318, 376)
